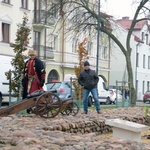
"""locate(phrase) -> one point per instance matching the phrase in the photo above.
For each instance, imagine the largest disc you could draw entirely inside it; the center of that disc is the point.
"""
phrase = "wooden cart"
(45, 104)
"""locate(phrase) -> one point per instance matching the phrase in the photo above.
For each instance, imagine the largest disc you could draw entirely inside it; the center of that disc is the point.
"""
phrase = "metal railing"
(44, 52)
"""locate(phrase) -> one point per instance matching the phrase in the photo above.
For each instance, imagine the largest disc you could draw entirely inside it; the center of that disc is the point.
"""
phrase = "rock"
(80, 132)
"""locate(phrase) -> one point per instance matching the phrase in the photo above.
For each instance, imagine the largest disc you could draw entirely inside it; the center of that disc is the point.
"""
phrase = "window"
(137, 84)
(143, 86)
(6, 1)
(104, 85)
(74, 45)
(148, 62)
(146, 35)
(143, 61)
(147, 85)
(88, 19)
(104, 52)
(54, 41)
(36, 38)
(137, 60)
(5, 32)
(75, 15)
(54, 11)
(36, 41)
(143, 36)
(53, 76)
(25, 4)
(89, 47)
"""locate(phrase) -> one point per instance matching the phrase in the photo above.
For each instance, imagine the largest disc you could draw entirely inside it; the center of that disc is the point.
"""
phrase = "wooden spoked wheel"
(48, 105)
(71, 109)
(64, 112)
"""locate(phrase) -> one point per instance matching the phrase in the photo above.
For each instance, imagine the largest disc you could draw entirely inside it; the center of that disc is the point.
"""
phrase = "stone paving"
(28, 132)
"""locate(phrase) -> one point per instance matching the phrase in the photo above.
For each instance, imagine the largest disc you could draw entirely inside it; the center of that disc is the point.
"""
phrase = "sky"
(118, 8)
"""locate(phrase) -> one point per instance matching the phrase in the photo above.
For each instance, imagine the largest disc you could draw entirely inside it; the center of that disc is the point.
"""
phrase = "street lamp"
(98, 33)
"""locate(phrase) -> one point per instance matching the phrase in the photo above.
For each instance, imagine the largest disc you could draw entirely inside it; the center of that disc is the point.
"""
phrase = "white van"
(103, 93)
(5, 65)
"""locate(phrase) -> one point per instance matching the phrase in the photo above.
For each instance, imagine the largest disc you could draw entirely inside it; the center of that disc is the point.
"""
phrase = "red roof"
(137, 39)
(126, 23)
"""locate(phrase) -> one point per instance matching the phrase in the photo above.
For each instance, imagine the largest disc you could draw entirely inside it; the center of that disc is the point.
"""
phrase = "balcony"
(42, 19)
(44, 52)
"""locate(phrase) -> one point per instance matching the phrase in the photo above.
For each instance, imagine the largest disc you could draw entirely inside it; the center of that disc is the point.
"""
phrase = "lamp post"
(98, 33)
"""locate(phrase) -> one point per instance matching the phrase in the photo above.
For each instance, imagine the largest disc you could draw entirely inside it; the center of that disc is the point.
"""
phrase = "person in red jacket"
(33, 74)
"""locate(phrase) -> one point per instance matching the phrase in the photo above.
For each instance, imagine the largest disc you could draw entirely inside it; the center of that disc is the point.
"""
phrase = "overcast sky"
(118, 8)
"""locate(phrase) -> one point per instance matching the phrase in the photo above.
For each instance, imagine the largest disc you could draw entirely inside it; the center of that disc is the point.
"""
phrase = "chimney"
(125, 18)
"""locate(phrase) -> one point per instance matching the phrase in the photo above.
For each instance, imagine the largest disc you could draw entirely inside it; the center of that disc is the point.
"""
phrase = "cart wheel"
(64, 112)
(48, 105)
(71, 109)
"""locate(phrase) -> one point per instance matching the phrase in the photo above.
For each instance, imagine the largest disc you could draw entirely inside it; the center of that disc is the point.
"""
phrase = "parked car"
(115, 95)
(146, 97)
(1, 98)
(62, 89)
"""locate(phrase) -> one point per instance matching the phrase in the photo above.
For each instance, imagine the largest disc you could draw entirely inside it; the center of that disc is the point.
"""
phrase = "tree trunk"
(130, 80)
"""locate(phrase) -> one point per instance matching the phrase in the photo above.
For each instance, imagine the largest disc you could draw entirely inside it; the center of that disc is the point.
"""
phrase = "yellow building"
(57, 42)
(51, 37)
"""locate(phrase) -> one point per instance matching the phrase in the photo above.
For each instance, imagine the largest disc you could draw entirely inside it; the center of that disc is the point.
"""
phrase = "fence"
(125, 89)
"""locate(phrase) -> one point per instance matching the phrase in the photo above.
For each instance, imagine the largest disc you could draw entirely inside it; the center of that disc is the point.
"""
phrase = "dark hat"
(86, 63)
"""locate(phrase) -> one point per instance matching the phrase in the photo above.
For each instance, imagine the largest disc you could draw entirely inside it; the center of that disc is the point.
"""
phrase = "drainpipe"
(45, 30)
(62, 16)
(137, 45)
(45, 44)
(109, 63)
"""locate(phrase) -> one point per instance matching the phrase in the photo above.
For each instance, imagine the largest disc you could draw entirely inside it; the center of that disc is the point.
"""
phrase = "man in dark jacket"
(89, 79)
(33, 74)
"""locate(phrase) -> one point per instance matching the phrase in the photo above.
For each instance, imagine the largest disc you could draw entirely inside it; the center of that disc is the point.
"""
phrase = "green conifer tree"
(21, 42)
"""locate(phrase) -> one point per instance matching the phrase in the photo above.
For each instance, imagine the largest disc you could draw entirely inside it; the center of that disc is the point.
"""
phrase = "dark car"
(146, 97)
(62, 89)
(1, 98)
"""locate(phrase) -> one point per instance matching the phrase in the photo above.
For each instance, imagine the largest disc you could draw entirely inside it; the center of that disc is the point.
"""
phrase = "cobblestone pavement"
(26, 132)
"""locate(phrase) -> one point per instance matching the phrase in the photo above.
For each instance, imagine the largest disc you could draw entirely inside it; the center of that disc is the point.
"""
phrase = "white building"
(59, 50)
(11, 14)
(54, 47)
(140, 57)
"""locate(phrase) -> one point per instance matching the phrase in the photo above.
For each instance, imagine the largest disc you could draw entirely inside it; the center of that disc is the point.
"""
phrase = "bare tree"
(82, 15)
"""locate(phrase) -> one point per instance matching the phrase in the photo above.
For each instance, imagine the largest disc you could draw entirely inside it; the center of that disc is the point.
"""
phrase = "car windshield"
(53, 85)
(111, 91)
(114, 91)
(68, 84)
(148, 92)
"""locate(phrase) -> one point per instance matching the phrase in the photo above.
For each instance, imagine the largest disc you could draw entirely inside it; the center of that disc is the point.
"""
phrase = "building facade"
(49, 37)
(61, 43)
(57, 45)
(140, 56)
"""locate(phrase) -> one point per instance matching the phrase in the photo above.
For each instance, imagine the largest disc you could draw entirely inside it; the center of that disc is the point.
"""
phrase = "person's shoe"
(84, 112)
(29, 110)
(99, 112)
